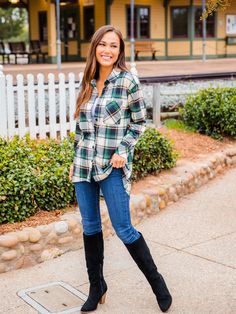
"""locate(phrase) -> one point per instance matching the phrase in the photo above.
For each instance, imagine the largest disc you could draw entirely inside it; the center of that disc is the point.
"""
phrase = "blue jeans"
(117, 201)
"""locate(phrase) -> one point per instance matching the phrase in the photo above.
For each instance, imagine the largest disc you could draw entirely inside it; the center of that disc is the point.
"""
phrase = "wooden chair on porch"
(18, 49)
(35, 49)
(3, 53)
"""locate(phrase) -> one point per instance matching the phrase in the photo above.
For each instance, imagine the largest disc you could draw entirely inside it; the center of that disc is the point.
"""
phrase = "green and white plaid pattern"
(119, 120)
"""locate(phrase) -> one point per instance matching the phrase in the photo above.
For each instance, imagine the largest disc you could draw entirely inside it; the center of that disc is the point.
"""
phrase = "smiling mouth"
(106, 57)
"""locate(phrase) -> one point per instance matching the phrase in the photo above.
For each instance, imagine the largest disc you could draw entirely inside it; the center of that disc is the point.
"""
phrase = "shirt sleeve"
(138, 120)
(77, 137)
(78, 132)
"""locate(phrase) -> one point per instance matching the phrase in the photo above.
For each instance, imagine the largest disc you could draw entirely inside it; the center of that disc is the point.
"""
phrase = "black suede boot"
(142, 256)
(94, 247)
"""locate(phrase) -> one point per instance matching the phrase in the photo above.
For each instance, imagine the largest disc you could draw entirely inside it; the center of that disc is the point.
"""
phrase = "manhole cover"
(56, 297)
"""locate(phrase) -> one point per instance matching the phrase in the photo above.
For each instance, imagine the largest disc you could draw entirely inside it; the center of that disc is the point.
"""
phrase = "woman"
(110, 115)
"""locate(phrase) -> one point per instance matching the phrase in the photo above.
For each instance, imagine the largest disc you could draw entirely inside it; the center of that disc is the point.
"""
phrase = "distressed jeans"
(117, 201)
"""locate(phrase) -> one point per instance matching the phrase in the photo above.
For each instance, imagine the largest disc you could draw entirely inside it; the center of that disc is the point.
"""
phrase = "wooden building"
(172, 26)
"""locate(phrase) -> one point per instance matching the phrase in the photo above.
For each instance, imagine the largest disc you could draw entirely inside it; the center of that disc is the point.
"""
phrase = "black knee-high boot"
(142, 256)
(94, 247)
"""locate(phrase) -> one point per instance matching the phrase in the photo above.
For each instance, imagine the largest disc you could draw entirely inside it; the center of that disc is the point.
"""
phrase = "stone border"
(30, 246)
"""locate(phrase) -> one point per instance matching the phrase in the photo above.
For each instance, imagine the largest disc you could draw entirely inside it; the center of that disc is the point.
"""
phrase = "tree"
(214, 5)
(12, 22)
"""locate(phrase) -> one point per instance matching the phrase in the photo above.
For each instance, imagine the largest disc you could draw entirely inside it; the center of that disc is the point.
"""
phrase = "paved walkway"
(193, 242)
(145, 68)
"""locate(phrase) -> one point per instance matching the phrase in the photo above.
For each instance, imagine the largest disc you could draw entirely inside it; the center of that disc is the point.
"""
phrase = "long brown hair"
(92, 67)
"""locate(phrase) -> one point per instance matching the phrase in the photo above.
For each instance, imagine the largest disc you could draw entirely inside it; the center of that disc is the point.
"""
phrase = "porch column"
(99, 13)
(52, 34)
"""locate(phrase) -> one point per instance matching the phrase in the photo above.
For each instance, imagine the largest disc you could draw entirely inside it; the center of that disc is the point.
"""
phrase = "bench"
(19, 49)
(35, 49)
(144, 46)
(4, 53)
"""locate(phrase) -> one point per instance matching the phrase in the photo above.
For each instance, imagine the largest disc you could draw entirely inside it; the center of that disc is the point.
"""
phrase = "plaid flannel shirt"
(119, 120)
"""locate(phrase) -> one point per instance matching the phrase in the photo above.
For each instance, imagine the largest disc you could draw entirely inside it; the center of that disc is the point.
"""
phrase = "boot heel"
(103, 298)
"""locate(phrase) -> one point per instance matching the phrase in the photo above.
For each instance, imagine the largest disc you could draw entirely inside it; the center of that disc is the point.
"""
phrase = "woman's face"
(108, 49)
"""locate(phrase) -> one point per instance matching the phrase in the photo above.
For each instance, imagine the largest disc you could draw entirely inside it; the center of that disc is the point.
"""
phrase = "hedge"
(152, 153)
(34, 174)
(212, 111)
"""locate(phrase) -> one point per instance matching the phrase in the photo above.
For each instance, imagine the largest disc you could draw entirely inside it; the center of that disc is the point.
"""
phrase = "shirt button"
(96, 119)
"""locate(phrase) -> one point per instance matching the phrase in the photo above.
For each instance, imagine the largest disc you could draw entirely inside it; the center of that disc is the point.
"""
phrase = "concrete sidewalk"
(145, 68)
(193, 243)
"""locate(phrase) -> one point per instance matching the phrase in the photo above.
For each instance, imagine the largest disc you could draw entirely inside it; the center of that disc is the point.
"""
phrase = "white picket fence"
(42, 107)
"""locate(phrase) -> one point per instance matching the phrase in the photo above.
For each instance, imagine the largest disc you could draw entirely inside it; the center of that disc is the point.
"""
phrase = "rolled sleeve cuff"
(122, 151)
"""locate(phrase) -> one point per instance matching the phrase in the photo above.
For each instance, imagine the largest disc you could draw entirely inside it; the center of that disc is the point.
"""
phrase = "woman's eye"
(101, 44)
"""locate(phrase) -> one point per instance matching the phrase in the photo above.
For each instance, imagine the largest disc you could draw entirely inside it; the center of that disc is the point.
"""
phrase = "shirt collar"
(112, 77)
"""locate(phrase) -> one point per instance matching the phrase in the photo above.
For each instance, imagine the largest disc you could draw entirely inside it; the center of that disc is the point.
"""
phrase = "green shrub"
(152, 153)
(212, 111)
(34, 174)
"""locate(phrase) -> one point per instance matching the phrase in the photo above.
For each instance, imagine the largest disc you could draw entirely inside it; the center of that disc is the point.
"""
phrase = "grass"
(178, 125)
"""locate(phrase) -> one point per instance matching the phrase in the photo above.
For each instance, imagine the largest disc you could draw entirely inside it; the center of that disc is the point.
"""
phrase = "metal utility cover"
(54, 298)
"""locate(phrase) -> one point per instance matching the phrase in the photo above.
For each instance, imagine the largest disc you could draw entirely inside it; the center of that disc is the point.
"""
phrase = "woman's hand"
(117, 161)
(71, 171)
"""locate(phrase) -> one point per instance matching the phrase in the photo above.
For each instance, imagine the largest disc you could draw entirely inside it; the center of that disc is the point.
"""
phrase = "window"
(141, 22)
(179, 22)
(210, 24)
(68, 26)
(43, 26)
(128, 15)
(71, 25)
(88, 22)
